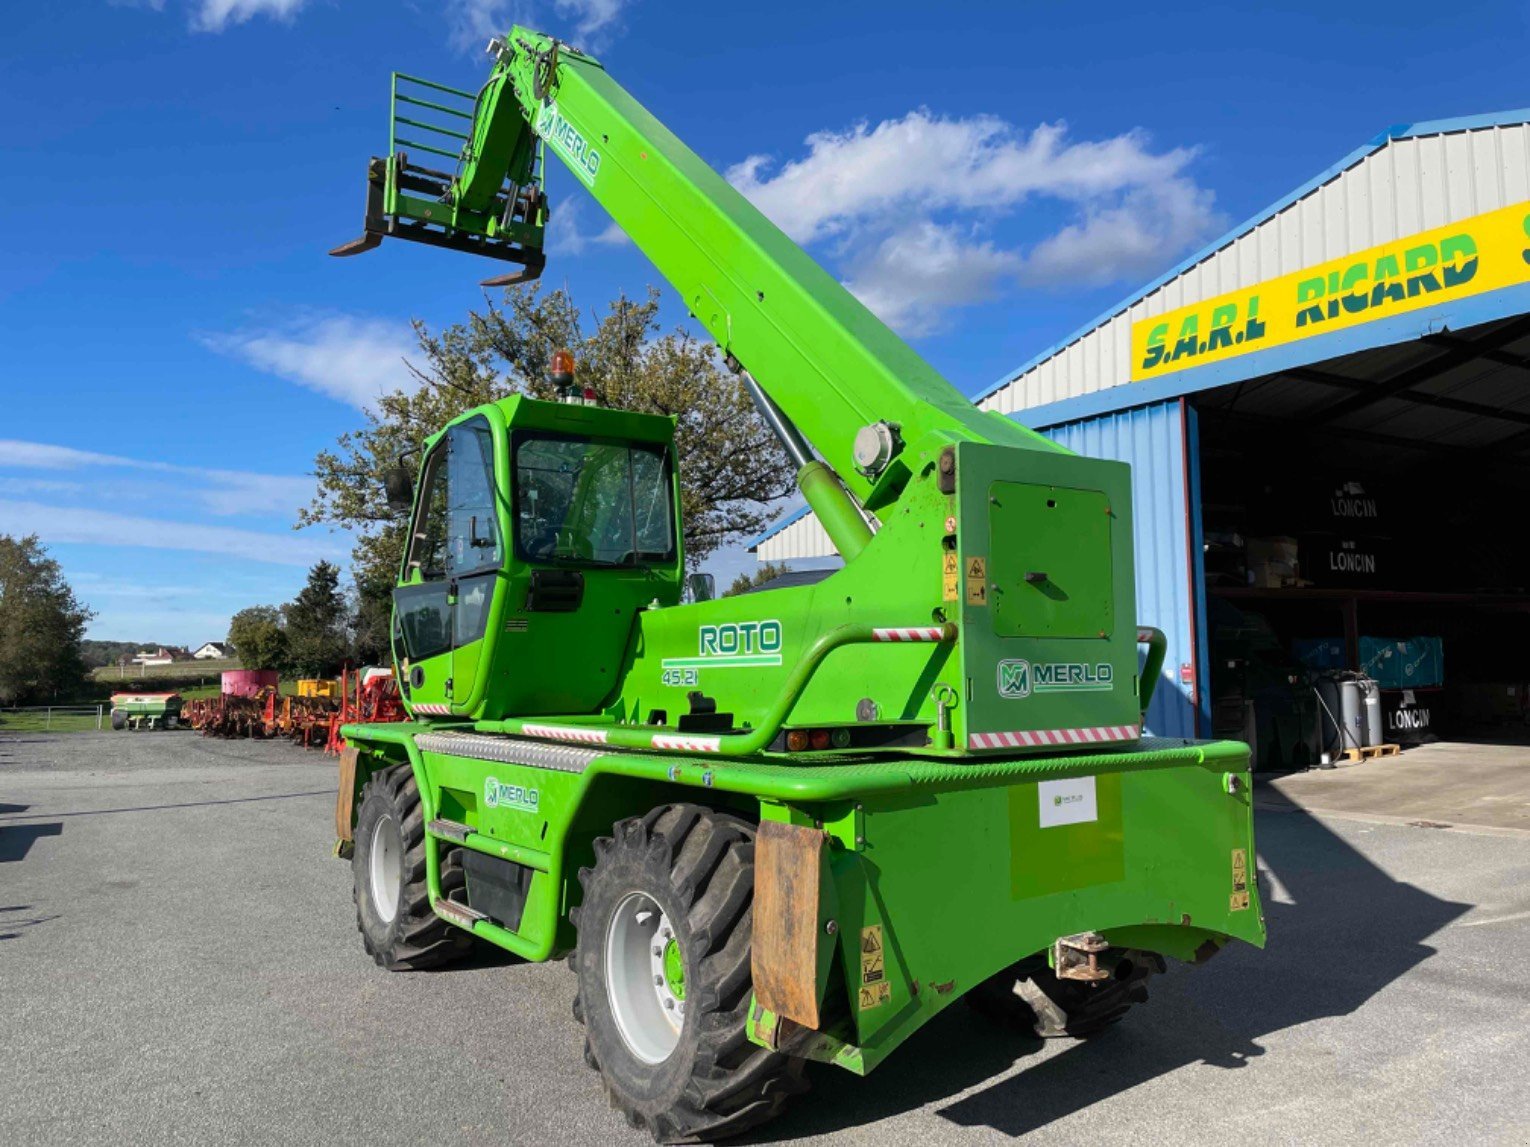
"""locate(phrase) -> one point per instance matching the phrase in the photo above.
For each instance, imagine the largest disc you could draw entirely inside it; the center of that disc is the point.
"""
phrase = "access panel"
(1050, 565)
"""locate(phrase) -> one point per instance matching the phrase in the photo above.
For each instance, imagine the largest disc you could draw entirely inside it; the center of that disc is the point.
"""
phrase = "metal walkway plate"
(508, 750)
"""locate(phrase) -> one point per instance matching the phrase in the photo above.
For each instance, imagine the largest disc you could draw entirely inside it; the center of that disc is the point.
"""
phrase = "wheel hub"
(645, 978)
(385, 867)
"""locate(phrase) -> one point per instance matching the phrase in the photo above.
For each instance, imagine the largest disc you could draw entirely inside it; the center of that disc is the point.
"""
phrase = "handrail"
(730, 744)
(1158, 648)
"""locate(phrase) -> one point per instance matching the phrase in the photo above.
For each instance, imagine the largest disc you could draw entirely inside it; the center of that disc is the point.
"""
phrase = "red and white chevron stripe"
(565, 733)
(1144, 637)
(1034, 738)
(432, 709)
(919, 633)
(687, 744)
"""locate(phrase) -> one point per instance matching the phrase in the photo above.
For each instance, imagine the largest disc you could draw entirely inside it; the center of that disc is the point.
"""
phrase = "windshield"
(592, 503)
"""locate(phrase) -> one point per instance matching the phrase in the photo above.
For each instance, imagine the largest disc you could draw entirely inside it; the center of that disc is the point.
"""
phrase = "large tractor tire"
(119, 721)
(1032, 999)
(664, 978)
(393, 912)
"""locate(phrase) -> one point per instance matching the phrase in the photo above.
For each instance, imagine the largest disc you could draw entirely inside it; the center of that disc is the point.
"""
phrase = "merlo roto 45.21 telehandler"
(787, 825)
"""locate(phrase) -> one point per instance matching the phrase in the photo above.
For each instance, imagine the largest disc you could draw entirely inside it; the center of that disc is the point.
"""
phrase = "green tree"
(259, 637)
(41, 625)
(731, 468)
(748, 581)
(317, 620)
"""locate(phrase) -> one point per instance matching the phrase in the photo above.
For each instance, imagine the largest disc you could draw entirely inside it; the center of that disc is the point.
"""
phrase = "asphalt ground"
(179, 964)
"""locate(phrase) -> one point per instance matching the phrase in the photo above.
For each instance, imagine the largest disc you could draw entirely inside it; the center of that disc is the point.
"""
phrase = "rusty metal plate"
(788, 864)
(345, 797)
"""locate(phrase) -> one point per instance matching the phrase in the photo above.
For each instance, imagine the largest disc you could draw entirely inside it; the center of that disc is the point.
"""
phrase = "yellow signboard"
(1483, 253)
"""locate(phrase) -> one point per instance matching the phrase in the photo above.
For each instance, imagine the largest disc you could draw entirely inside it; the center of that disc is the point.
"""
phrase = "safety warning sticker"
(950, 575)
(1239, 898)
(873, 964)
(875, 995)
(977, 581)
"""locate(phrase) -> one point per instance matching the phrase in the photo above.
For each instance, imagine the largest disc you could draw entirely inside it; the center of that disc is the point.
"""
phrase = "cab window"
(589, 503)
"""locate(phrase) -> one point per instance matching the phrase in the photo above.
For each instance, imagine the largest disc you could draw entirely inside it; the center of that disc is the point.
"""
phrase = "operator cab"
(538, 532)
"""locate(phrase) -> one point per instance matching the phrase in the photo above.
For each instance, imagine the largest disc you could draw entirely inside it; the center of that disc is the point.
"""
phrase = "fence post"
(98, 718)
(48, 721)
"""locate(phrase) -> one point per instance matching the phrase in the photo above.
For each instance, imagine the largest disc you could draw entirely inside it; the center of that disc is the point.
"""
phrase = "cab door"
(451, 571)
(476, 561)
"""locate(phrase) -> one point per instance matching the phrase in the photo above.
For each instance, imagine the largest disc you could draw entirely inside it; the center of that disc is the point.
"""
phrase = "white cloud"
(221, 492)
(61, 524)
(566, 235)
(216, 15)
(587, 22)
(907, 205)
(354, 360)
(1132, 238)
(913, 276)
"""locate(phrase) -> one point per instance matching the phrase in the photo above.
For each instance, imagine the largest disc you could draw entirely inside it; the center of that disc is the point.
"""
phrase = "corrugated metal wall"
(1151, 440)
(804, 538)
(1405, 186)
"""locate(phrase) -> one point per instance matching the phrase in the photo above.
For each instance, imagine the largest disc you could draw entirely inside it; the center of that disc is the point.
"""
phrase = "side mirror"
(703, 586)
(398, 483)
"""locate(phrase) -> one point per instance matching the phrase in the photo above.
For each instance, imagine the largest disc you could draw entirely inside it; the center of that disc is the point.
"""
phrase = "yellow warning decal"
(875, 995)
(1238, 902)
(1239, 869)
(950, 576)
(977, 581)
(873, 965)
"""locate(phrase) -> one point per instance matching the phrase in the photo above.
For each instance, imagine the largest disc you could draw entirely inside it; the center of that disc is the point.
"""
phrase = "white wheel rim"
(386, 867)
(648, 1014)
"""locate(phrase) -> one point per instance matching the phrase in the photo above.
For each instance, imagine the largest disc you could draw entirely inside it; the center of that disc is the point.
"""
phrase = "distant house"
(214, 651)
(161, 655)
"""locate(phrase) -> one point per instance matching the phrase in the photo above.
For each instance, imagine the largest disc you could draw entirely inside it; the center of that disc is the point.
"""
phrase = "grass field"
(69, 719)
(181, 670)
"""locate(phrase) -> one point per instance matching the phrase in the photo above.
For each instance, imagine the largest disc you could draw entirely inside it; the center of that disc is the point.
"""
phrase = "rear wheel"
(1032, 998)
(119, 721)
(664, 982)
(393, 912)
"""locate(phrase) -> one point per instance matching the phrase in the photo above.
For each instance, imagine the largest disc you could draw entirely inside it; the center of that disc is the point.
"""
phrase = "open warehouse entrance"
(1364, 514)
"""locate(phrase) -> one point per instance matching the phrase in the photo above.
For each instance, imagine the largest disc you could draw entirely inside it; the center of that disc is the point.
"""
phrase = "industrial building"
(1327, 416)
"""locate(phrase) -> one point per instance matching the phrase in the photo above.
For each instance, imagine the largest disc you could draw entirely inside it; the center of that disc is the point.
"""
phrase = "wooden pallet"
(1370, 751)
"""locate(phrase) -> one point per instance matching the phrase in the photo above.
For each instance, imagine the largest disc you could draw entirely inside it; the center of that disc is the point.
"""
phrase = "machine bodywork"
(940, 743)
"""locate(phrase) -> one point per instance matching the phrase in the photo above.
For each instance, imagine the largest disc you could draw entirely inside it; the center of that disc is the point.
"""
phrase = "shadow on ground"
(16, 840)
(1343, 904)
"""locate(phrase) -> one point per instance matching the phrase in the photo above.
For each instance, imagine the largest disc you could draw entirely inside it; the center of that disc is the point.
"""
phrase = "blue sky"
(179, 347)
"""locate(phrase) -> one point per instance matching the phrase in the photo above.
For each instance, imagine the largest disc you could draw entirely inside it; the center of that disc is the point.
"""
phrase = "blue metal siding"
(1151, 439)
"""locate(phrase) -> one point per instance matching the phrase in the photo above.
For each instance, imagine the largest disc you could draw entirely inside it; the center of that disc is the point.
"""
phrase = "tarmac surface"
(1454, 783)
(179, 963)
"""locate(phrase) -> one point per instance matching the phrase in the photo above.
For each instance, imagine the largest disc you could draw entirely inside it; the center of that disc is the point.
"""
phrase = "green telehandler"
(797, 823)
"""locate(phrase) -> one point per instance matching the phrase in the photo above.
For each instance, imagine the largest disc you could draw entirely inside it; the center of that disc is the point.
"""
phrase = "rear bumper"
(926, 890)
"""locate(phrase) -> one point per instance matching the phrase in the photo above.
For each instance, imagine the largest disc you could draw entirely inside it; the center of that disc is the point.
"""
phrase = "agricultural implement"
(145, 710)
(792, 824)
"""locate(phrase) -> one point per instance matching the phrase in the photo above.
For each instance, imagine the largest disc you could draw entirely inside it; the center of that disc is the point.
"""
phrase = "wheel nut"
(658, 951)
(658, 981)
(669, 1004)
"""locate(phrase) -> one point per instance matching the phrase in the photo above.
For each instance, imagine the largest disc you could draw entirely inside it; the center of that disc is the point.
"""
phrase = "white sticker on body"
(1067, 802)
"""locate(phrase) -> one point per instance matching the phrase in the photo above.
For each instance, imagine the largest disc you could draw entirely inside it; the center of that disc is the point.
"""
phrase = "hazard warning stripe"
(565, 733)
(920, 633)
(432, 710)
(688, 744)
(1036, 738)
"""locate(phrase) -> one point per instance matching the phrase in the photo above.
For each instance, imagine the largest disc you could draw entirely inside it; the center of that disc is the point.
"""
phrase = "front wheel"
(664, 981)
(393, 913)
